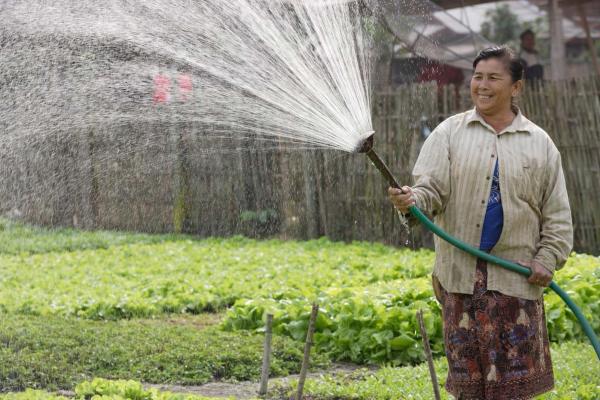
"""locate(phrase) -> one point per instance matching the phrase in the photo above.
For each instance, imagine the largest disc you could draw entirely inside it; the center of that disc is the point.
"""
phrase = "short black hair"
(525, 33)
(506, 54)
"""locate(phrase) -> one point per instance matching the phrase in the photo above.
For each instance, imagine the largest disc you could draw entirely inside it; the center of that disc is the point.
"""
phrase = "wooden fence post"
(264, 376)
(307, 347)
(434, 381)
(310, 193)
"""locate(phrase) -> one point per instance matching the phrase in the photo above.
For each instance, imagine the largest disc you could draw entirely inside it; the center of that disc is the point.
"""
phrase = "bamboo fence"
(161, 178)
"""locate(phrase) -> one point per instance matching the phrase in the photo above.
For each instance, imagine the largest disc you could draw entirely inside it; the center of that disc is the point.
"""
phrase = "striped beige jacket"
(452, 182)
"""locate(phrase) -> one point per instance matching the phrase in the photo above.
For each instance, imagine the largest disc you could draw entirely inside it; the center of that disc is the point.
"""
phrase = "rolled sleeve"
(556, 234)
(431, 173)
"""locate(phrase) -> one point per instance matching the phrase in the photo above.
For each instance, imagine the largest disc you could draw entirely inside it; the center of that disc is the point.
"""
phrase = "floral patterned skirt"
(497, 345)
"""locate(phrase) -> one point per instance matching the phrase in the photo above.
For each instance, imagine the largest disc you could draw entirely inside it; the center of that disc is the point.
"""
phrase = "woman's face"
(492, 88)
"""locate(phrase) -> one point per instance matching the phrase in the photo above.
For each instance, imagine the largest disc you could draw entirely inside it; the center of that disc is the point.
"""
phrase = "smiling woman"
(494, 179)
(496, 82)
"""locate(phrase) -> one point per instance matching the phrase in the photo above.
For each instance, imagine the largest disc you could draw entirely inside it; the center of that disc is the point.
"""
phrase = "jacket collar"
(519, 123)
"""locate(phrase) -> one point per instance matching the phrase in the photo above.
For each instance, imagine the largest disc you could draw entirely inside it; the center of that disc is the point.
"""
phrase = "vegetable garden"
(174, 309)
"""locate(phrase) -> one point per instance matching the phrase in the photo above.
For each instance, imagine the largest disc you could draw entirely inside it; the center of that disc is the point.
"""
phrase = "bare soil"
(246, 390)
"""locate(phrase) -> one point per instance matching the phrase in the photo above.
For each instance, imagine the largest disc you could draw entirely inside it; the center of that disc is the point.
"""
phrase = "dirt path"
(244, 390)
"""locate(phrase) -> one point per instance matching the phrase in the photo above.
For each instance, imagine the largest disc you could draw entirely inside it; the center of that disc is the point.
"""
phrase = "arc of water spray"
(367, 148)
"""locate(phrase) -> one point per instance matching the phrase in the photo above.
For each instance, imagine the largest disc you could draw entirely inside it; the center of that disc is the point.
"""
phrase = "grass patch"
(368, 293)
(57, 353)
(185, 276)
(18, 238)
(576, 372)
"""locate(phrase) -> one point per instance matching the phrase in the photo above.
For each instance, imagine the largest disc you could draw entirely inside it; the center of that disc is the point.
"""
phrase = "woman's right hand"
(402, 198)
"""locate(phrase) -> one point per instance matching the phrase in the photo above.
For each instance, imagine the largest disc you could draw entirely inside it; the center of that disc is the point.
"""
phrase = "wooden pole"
(588, 36)
(427, 348)
(182, 180)
(557, 51)
(266, 364)
(310, 193)
(307, 347)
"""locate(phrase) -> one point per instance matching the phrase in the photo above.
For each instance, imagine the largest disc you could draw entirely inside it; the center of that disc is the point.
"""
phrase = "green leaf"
(401, 342)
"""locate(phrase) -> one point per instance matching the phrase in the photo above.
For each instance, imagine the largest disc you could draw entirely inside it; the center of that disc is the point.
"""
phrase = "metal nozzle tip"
(366, 144)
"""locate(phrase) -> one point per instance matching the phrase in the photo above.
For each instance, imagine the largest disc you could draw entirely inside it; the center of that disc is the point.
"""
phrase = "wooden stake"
(307, 346)
(436, 389)
(266, 364)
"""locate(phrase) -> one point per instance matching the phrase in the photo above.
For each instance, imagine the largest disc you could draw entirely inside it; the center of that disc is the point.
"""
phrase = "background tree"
(502, 26)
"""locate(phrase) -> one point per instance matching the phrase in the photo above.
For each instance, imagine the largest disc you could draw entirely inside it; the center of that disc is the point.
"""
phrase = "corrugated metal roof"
(529, 9)
(429, 31)
(570, 10)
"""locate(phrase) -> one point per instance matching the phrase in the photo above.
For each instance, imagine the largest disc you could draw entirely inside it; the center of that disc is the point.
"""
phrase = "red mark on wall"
(162, 89)
(185, 87)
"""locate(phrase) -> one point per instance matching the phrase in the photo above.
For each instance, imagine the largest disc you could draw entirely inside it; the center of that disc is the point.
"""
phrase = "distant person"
(529, 57)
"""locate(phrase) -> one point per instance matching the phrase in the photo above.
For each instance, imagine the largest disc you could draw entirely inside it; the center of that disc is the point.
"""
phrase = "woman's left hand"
(539, 274)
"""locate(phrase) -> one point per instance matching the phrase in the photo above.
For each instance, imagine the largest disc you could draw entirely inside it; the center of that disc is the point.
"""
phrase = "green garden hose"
(367, 148)
(587, 328)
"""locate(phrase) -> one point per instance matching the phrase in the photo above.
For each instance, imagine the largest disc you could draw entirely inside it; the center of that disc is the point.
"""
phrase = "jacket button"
(478, 225)
(482, 201)
(488, 178)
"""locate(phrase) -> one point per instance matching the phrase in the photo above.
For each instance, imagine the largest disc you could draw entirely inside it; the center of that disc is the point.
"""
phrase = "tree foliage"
(502, 26)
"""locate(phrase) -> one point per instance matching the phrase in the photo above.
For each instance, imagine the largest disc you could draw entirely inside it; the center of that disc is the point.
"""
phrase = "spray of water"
(109, 103)
(296, 71)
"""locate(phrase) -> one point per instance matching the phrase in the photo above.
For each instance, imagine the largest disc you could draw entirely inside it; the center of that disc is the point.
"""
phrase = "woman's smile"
(492, 88)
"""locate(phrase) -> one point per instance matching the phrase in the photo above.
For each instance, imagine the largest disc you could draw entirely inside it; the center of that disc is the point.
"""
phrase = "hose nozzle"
(367, 144)
(367, 147)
